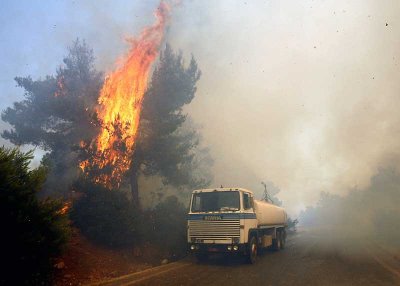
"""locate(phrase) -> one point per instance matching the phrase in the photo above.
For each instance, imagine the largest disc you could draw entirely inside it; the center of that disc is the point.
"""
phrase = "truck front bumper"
(216, 248)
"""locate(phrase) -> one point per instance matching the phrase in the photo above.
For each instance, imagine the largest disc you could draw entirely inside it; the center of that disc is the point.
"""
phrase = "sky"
(303, 94)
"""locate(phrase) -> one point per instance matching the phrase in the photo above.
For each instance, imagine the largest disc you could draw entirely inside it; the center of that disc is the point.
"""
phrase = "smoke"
(362, 217)
(304, 94)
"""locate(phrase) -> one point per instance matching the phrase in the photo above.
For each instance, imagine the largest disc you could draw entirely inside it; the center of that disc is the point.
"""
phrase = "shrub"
(104, 216)
(165, 226)
(292, 224)
(34, 231)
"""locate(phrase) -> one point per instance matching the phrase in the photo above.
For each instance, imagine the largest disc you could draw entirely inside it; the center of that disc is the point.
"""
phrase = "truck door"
(249, 216)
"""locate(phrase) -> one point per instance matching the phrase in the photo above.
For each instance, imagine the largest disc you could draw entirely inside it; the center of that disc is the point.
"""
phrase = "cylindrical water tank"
(269, 214)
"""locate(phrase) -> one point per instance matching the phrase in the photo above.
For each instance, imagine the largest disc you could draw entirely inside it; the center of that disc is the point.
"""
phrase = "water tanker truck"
(230, 220)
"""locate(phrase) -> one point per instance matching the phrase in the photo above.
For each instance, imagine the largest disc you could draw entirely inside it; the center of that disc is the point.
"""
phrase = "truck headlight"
(192, 247)
(235, 247)
(229, 247)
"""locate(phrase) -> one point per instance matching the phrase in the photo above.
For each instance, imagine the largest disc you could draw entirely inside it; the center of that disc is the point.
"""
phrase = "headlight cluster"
(232, 247)
(194, 247)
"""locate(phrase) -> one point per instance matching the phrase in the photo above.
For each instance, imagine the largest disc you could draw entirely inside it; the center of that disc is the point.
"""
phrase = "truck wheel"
(276, 243)
(202, 257)
(252, 250)
(283, 239)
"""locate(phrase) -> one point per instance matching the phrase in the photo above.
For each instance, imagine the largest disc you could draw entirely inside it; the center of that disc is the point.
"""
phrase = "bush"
(292, 224)
(165, 226)
(110, 218)
(104, 216)
(34, 231)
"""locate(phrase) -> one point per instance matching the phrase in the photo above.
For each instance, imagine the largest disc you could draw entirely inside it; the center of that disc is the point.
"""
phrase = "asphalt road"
(307, 260)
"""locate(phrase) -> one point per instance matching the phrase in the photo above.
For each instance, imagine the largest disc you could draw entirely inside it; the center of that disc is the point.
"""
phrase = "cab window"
(247, 201)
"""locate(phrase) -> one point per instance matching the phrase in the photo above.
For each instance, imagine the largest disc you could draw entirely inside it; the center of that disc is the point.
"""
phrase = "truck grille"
(215, 230)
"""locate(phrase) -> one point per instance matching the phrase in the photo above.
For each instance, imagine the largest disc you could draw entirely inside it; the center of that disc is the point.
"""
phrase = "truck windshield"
(216, 201)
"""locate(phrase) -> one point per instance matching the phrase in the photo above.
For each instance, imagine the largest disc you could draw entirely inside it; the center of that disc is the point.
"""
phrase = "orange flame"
(60, 86)
(66, 207)
(120, 103)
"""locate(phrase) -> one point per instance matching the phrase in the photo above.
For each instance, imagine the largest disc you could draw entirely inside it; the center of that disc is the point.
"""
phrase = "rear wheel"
(283, 239)
(276, 243)
(252, 250)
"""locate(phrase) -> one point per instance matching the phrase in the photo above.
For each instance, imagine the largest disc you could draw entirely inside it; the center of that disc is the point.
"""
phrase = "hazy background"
(304, 94)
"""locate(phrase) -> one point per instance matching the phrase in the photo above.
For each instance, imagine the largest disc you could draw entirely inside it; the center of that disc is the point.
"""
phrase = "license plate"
(213, 249)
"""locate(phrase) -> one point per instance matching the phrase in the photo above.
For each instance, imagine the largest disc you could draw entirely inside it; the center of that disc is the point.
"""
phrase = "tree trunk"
(134, 174)
(135, 188)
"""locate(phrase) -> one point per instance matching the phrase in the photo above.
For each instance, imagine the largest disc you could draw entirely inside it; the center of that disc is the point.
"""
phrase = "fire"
(120, 104)
(66, 207)
(60, 86)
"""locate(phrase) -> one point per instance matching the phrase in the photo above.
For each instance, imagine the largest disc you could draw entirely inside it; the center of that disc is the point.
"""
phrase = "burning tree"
(120, 129)
(120, 106)
(142, 129)
(166, 143)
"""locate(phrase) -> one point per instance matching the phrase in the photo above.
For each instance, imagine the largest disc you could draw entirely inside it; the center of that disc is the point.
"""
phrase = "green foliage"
(109, 218)
(104, 216)
(169, 143)
(34, 231)
(165, 226)
(56, 114)
(53, 113)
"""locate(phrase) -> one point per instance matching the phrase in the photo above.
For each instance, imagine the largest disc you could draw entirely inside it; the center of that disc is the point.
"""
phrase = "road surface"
(306, 260)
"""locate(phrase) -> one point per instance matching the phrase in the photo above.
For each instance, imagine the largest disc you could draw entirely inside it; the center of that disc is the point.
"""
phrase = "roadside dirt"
(84, 262)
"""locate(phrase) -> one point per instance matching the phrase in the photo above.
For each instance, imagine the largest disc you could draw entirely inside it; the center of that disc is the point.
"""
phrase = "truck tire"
(283, 239)
(252, 255)
(276, 243)
(202, 257)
